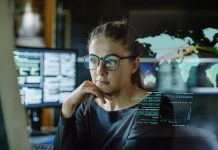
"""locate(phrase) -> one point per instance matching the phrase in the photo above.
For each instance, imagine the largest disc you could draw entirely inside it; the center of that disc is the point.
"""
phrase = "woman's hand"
(80, 94)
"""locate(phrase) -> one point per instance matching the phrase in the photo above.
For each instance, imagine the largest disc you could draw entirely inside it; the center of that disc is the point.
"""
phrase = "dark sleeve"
(71, 132)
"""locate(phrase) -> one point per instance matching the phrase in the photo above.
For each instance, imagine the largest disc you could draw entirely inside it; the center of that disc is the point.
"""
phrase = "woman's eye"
(93, 61)
(112, 62)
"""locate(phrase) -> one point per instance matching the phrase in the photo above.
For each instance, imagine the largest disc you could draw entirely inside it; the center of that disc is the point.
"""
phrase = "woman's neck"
(124, 98)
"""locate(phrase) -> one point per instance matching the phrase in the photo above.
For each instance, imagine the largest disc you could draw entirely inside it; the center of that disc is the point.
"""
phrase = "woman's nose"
(101, 68)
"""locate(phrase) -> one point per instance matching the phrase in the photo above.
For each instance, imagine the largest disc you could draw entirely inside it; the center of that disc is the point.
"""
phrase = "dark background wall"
(86, 14)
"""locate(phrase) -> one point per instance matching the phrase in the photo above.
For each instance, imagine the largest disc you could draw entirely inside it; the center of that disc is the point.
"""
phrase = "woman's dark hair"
(124, 33)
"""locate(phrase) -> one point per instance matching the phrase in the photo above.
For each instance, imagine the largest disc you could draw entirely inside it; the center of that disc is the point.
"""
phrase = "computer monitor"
(194, 99)
(46, 76)
(201, 78)
(13, 124)
(156, 78)
(189, 79)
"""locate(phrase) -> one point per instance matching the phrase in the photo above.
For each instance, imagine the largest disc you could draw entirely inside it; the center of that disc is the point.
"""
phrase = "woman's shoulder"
(140, 95)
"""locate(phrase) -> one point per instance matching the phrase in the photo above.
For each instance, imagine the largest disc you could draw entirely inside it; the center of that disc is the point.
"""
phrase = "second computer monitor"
(45, 76)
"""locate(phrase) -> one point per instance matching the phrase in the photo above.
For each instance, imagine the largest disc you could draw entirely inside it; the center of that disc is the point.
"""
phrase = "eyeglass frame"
(103, 58)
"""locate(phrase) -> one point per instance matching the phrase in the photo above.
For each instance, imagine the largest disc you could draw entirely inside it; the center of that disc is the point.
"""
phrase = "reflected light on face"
(110, 81)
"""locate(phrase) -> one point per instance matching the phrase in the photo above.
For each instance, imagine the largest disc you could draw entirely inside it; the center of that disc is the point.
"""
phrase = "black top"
(142, 126)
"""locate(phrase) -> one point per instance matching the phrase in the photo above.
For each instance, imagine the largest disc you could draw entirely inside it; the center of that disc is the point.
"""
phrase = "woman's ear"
(135, 65)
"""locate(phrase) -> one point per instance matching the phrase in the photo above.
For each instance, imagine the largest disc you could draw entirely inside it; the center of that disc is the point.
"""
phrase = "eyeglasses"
(111, 62)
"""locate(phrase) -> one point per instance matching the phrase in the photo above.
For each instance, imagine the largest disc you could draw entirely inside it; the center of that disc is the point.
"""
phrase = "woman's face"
(110, 81)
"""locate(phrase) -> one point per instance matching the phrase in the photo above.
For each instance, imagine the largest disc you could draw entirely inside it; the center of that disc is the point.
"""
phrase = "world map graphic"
(168, 48)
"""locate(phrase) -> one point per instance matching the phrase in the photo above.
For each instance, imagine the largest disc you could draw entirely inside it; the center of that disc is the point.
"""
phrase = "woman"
(113, 111)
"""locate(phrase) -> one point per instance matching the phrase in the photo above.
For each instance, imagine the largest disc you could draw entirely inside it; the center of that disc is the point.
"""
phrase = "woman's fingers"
(93, 89)
(80, 94)
(107, 96)
(97, 93)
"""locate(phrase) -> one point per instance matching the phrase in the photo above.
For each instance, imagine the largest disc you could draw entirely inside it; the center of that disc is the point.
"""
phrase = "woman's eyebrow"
(104, 55)
(111, 54)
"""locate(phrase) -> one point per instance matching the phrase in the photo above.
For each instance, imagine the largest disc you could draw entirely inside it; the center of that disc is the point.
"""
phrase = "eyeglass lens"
(110, 62)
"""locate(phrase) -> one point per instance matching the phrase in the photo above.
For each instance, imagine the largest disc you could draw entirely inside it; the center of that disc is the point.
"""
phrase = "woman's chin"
(104, 89)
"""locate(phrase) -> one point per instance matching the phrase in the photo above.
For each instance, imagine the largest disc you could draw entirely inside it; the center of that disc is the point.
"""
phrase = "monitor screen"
(45, 76)
(171, 77)
(194, 98)
(180, 51)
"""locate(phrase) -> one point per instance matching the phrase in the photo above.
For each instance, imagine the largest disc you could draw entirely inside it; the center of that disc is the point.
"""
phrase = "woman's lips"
(102, 82)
